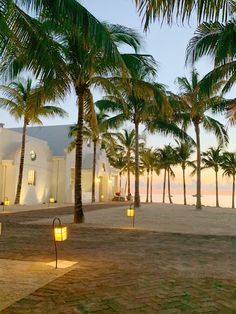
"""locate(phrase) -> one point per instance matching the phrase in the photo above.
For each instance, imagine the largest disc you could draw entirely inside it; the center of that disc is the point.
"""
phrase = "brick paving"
(124, 271)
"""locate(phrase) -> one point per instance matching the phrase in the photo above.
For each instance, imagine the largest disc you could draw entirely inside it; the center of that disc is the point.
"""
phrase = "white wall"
(58, 179)
(41, 191)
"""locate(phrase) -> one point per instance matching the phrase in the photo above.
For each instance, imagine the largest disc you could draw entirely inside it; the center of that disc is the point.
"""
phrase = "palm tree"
(136, 104)
(183, 10)
(126, 144)
(217, 41)
(229, 166)
(87, 70)
(118, 161)
(26, 102)
(145, 158)
(167, 158)
(195, 103)
(148, 159)
(97, 135)
(212, 158)
(154, 167)
(70, 31)
(24, 41)
(184, 150)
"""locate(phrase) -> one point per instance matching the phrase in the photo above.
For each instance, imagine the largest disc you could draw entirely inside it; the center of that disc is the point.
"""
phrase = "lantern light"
(6, 202)
(110, 181)
(131, 213)
(98, 180)
(59, 233)
(51, 200)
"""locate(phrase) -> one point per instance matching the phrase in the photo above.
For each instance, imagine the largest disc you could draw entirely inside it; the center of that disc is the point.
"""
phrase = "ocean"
(207, 200)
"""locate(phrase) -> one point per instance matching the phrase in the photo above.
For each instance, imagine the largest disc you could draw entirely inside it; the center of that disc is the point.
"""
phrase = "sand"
(162, 218)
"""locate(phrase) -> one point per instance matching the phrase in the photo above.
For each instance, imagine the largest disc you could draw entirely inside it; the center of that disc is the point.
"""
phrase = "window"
(31, 177)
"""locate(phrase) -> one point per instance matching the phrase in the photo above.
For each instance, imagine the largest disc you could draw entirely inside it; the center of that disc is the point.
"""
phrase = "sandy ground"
(162, 218)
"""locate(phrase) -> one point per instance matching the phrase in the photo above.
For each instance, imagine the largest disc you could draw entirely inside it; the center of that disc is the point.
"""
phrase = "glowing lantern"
(130, 212)
(60, 233)
(51, 200)
(98, 180)
(110, 181)
(6, 202)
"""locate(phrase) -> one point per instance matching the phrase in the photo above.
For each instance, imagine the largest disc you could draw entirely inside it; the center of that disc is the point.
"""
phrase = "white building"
(49, 168)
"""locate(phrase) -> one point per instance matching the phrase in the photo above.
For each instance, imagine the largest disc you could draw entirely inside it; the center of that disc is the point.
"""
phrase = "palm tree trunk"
(184, 185)
(170, 199)
(233, 192)
(120, 181)
(136, 193)
(151, 186)
(164, 187)
(126, 185)
(198, 195)
(94, 170)
(128, 179)
(147, 196)
(217, 190)
(21, 167)
(78, 207)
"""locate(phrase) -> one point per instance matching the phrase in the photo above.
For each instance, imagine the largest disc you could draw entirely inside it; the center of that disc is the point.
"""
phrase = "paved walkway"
(121, 270)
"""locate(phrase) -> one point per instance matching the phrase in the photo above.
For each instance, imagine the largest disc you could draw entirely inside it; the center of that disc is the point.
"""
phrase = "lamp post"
(131, 213)
(59, 234)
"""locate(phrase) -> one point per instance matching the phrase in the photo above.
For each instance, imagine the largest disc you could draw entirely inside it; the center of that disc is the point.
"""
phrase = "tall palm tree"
(26, 102)
(88, 70)
(136, 104)
(229, 166)
(195, 104)
(97, 135)
(167, 159)
(183, 10)
(184, 150)
(70, 31)
(212, 158)
(148, 159)
(118, 161)
(154, 167)
(217, 41)
(145, 158)
(126, 144)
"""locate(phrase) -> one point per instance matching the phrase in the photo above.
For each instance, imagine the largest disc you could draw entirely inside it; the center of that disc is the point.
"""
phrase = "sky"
(166, 43)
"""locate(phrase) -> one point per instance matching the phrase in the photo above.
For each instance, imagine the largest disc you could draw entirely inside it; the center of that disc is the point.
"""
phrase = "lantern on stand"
(131, 213)
(59, 234)
(6, 202)
(51, 200)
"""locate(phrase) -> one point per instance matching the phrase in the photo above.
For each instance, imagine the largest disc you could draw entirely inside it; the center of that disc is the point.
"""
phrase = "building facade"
(49, 170)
